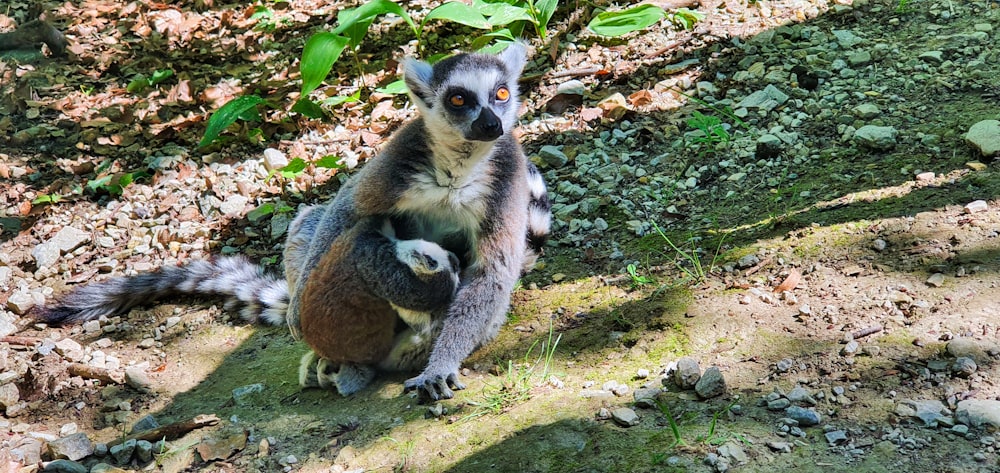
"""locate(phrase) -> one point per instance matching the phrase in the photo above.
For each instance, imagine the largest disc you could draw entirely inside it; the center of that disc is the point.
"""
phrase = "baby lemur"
(455, 177)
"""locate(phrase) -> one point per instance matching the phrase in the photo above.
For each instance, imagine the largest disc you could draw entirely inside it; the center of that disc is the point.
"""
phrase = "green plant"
(141, 82)
(515, 385)
(710, 437)
(618, 23)
(697, 272)
(903, 6)
(637, 280)
(712, 130)
(674, 428)
(240, 108)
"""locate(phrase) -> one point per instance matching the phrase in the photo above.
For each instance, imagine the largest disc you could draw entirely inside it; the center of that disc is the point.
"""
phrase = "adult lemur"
(455, 176)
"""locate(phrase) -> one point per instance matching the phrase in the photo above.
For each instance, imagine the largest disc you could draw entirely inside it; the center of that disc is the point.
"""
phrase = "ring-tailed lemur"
(455, 176)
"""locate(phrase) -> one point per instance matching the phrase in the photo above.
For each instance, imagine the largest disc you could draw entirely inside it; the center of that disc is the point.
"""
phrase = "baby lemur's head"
(470, 97)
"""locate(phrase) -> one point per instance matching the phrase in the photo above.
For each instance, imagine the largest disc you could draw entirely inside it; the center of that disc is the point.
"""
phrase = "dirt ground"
(860, 244)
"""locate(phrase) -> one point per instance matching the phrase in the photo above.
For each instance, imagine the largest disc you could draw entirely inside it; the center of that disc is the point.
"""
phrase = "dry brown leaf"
(790, 282)
(591, 113)
(640, 98)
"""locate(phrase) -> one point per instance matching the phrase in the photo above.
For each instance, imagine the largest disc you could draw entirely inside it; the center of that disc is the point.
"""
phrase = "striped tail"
(259, 295)
(539, 216)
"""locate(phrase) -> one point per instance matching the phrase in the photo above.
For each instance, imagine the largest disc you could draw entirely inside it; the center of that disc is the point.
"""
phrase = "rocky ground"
(775, 245)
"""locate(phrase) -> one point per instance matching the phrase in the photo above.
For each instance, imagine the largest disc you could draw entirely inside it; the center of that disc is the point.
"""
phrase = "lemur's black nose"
(487, 126)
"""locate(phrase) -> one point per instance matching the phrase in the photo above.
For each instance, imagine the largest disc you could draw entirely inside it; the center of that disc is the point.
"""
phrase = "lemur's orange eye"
(457, 100)
(503, 94)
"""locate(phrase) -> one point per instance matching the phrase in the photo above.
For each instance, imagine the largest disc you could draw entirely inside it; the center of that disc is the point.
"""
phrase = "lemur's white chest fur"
(450, 197)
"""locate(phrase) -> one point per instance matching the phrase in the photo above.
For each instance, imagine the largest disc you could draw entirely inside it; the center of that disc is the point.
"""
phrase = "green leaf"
(626, 21)
(138, 84)
(502, 14)
(503, 37)
(354, 22)
(318, 56)
(329, 162)
(227, 115)
(260, 213)
(46, 199)
(394, 88)
(546, 8)
(293, 168)
(160, 75)
(686, 18)
(308, 108)
(339, 99)
(458, 12)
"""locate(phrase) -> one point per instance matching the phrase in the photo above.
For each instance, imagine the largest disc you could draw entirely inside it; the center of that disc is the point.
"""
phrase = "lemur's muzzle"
(487, 126)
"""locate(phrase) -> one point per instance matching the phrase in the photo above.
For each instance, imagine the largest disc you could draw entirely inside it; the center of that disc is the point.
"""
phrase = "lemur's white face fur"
(468, 97)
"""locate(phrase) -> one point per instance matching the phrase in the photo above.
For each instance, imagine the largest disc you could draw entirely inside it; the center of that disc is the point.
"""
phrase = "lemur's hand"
(434, 387)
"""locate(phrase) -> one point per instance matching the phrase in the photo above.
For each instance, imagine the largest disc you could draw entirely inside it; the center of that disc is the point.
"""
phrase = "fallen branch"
(170, 431)
(33, 33)
(866, 331)
(21, 341)
(93, 372)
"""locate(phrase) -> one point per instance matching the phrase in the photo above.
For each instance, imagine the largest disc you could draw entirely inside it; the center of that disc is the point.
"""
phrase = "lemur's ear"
(417, 75)
(514, 57)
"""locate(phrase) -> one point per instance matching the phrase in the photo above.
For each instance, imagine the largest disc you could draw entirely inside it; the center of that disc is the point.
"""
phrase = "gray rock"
(625, 417)
(867, 111)
(242, 394)
(747, 261)
(935, 280)
(801, 395)
(966, 347)
(711, 384)
(929, 411)
(122, 452)
(7, 326)
(784, 365)
(553, 156)
(46, 255)
(964, 367)
(805, 417)
(985, 137)
(778, 404)
(71, 447)
(145, 423)
(274, 159)
(9, 395)
(932, 57)
(976, 206)
(20, 302)
(69, 238)
(64, 466)
(136, 378)
(769, 146)
(571, 87)
(781, 447)
(645, 397)
(766, 99)
(234, 205)
(979, 413)
(687, 373)
(734, 451)
(877, 137)
(836, 437)
(860, 58)
(144, 451)
(847, 39)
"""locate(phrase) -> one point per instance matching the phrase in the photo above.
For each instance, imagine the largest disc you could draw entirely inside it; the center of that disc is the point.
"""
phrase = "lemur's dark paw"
(433, 387)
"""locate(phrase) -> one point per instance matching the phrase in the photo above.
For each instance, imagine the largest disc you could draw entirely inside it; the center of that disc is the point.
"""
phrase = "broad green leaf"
(458, 12)
(502, 36)
(308, 108)
(496, 47)
(686, 18)
(394, 88)
(329, 162)
(160, 75)
(502, 14)
(259, 213)
(318, 56)
(618, 23)
(227, 115)
(339, 99)
(293, 168)
(138, 84)
(354, 22)
(546, 8)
